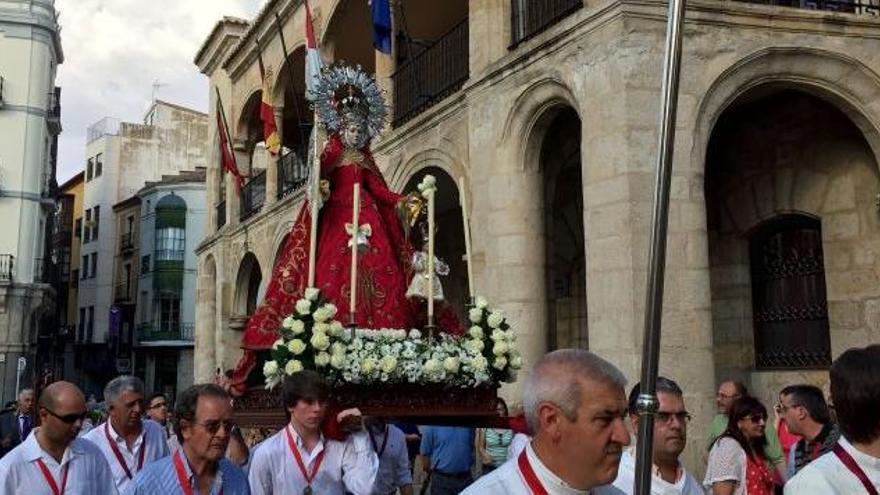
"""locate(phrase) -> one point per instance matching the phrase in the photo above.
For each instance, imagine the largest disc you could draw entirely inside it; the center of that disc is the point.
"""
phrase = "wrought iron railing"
(861, 7)
(253, 194)
(221, 214)
(124, 291)
(530, 17)
(7, 263)
(147, 332)
(44, 271)
(292, 172)
(125, 243)
(431, 75)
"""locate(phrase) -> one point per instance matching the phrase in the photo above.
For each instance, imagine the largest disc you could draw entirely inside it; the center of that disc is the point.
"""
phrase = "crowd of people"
(575, 436)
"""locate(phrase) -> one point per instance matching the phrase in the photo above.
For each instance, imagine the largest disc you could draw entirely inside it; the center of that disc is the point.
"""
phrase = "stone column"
(489, 31)
(273, 160)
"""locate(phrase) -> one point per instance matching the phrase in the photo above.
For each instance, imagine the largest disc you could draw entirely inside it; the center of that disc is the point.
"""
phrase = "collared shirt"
(156, 444)
(508, 480)
(349, 465)
(87, 471)
(160, 477)
(685, 484)
(25, 424)
(451, 448)
(773, 449)
(394, 469)
(805, 451)
(827, 475)
(517, 445)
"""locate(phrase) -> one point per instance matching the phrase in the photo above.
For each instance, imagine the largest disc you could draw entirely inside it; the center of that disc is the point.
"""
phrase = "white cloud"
(115, 49)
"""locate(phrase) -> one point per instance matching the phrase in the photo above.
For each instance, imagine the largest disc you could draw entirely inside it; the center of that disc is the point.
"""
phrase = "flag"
(381, 10)
(313, 57)
(226, 156)
(267, 113)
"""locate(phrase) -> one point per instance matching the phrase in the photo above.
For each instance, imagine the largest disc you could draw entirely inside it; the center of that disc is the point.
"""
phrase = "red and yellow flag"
(267, 113)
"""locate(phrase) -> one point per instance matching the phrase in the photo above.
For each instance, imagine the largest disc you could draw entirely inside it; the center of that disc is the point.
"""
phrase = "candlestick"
(313, 206)
(431, 258)
(462, 191)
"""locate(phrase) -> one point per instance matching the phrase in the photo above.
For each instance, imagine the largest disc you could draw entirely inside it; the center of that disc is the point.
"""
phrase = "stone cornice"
(226, 33)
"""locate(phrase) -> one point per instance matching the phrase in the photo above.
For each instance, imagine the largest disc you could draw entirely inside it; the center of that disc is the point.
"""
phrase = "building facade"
(67, 243)
(548, 111)
(30, 114)
(121, 157)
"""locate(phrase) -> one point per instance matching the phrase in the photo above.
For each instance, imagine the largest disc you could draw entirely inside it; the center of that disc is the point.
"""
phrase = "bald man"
(52, 459)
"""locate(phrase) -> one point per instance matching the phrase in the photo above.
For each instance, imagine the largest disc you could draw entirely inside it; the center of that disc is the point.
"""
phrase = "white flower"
(312, 293)
(321, 314)
(500, 363)
(367, 366)
(337, 361)
(496, 318)
(451, 364)
(270, 368)
(336, 328)
(320, 341)
(296, 346)
(432, 366)
(298, 327)
(516, 361)
(337, 348)
(481, 302)
(321, 328)
(288, 322)
(475, 315)
(500, 348)
(474, 346)
(322, 359)
(511, 337)
(498, 335)
(479, 363)
(304, 306)
(293, 366)
(388, 363)
(415, 334)
(476, 332)
(330, 308)
(278, 343)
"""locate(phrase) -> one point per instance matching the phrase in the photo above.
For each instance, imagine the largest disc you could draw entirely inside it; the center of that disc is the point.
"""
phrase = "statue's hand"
(324, 189)
(413, 204)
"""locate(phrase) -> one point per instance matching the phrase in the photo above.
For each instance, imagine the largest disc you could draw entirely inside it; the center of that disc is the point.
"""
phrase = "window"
(790, 308)
(89, 169)
(85, 266)
(170, 244)
(94, 272)
(87, 229)
(90, 329)
(99, 164)
(145, 264)
(127, 281)
(74, 277)
(169, 313)
(81, 328)
(77, 231)
(97, 222)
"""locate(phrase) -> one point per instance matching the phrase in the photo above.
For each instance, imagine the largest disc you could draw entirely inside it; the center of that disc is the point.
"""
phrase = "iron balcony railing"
(292, 172)
(147, 332)
(124, 292)
(531, 17)
(253, 194)
(861, 7)
(221, 214)
(125, 243)
(431, 75)
(7, 262)
(44, 271)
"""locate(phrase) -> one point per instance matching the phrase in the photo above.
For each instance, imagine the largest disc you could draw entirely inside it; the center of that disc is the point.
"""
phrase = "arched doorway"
(247, 285)
(250, 132)
(297, 123)
(790, 187)
(348, 37)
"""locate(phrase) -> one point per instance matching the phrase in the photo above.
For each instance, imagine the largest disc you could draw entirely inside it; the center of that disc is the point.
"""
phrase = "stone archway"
(347, 31)
(247, 286)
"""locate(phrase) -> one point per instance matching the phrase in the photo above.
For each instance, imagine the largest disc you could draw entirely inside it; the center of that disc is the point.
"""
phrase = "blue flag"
(381, 25)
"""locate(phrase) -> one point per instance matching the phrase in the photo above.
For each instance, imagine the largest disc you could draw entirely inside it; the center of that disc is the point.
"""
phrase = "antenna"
(156, 86)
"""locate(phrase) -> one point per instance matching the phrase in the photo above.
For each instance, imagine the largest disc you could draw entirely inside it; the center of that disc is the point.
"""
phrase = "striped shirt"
(160, 477)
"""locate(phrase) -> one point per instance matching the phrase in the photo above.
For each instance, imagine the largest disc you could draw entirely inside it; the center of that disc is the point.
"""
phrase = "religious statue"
(418, 286)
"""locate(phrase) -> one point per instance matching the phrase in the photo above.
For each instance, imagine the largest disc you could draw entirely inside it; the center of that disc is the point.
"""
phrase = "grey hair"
(24, 391)
(120, 385)
(557, 378)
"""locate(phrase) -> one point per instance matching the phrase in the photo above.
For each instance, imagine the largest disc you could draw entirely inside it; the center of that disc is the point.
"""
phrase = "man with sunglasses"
(203, 422)
(670, 437)
(805, 412)
(52, 459)
(128, 441)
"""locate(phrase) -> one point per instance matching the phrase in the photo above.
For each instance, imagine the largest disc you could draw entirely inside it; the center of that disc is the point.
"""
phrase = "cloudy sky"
(115, 49)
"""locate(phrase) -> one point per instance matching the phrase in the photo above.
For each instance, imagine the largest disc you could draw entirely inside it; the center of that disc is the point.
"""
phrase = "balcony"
(44, 271)
(253, 194)
(150, 335)
(53, 111)
(7, 262)
(531, 17)
(860, 7)
(221, 214)
(293, 172)
(125, 243)
(431, 75)
(123, 292)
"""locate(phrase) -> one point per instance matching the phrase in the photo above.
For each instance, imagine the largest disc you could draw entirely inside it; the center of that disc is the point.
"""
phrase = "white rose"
(475, 315)
(293, 366)
(321, 315)
(298, 327)
(415, 334)
(278, 343)
(312, 293)
(516, 361)
(476, 332)
(296, 346)
(336, 328)
(288, 322)
(270, 368)
(451, 364)
(337, 361)
(500, 348)
(304, 306)
(500, 363)
(337, 348)
(432, 366)
(481, 302)
(321, 328)
(330, 308)
(320, 341)
(388, 364)
(367, 366)
(496, 318)
(474, 346)
(322, 359)
(479, 363)
(498, 335)
(511, 337)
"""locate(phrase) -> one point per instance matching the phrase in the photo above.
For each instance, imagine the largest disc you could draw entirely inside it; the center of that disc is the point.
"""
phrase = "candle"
(467, 236)
(352, 300)
(431, 258)
(313, 207)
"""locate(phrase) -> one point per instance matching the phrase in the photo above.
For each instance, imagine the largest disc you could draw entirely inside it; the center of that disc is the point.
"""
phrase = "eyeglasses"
(665, 417)
(69, 418)
(157, 406)
(757, 418)
(213, 427)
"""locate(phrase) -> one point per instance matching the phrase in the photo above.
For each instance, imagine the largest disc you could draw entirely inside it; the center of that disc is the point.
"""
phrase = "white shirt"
(508, 480)
(727, 462)
(394, 470)
(827, 475)
(626, 478)
(349, 465)
(87, 471)
(156, 444)
(517, 444)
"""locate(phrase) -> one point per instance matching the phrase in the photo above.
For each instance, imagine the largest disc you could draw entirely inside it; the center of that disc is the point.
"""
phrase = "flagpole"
(647, 403)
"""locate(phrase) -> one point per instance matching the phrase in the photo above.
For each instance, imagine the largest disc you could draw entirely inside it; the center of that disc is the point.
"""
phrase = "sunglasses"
(757, 418)
(69, 418)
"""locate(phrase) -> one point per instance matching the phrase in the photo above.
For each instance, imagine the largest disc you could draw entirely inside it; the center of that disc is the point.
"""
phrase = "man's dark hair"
(663, 385)
(811, 398)
(855, 391)
(185, 408)
(304, 385)
(156, 395)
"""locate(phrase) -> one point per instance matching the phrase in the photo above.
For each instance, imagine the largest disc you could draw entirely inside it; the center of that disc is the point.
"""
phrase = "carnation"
(322, 359)
(496, 318)
(303, 306)
(320, 341)
(475, 315)
(476, 332)
(293, 366)
(270, 368)
(296, 346)
(312, 293)
(298, 327)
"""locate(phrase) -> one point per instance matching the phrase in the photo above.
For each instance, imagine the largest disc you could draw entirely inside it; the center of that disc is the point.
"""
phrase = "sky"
(114, 50)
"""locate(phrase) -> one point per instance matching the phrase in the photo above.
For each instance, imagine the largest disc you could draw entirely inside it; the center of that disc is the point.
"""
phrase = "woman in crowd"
(737, 463)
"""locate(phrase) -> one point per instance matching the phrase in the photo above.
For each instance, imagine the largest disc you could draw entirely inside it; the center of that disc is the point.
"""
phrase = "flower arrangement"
(311, 338)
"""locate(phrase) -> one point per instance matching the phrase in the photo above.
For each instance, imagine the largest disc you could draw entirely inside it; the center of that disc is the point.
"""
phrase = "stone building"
(30, 121)
(549, 111)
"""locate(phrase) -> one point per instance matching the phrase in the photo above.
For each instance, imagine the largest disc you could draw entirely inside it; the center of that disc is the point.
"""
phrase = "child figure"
(418, 287)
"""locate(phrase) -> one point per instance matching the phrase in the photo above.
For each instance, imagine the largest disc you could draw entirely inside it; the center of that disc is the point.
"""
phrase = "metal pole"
(647, 403)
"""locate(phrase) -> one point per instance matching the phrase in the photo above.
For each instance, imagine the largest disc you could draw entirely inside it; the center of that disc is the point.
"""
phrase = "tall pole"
(647, 402)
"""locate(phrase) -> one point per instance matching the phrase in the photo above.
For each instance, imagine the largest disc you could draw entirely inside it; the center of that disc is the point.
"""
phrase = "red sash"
(182, 479)
(50, 480)
(118, 454)
(854, 468)
(529, 475)
(299, 462)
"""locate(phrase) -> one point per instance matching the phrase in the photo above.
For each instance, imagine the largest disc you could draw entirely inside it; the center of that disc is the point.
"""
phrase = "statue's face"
(354, 135)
